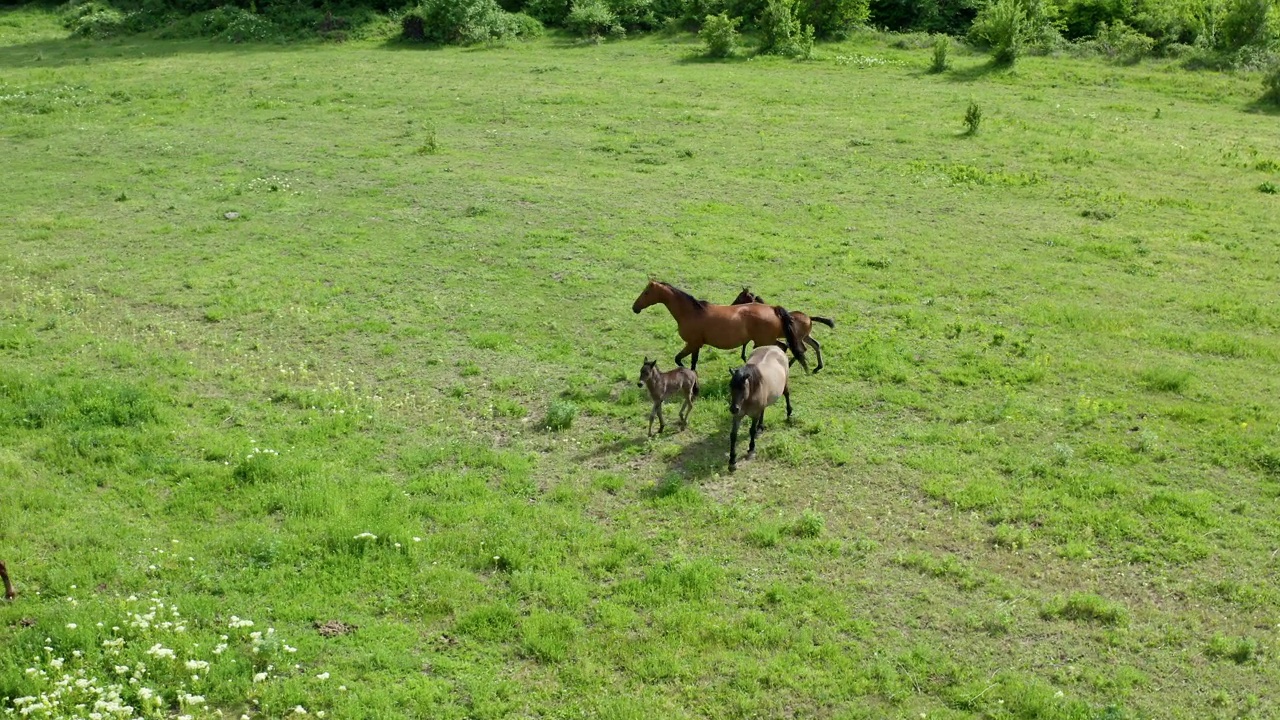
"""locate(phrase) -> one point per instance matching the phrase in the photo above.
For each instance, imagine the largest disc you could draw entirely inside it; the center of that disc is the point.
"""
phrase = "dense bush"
(462, 21)
(778, 27)
(1121, 42)
(833, 19)
(1081, 18)
(1001, 26)
(935, 16)
(550, 12)
(1271, 84)
(1245, 23)
(720, 34)
(633, 14)
(593, 19)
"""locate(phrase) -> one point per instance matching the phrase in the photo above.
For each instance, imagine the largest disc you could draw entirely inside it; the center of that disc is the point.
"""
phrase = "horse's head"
(647, 370)
(745, 297)
(652, 295)
(739, 388)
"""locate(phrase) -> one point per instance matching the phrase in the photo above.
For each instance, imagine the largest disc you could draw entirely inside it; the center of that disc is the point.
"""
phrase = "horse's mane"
(695, 302)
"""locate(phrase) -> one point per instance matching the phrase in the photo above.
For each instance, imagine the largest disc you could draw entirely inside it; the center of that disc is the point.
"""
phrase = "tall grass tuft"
(941, 62)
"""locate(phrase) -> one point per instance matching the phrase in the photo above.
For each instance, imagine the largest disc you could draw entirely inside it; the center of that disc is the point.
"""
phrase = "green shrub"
(1001, 26)
(782, 33)
(972, 119)
(1121, 42)
(941, 47)
(633, 14)
(561, 414)
(720, 34)
(778, 26)
(464, 22)
(593, 19)
(833, 19)
(525, 26)
(1246, 23)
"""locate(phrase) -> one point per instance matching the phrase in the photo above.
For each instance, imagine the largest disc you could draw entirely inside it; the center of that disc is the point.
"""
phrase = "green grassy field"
(1039, 477)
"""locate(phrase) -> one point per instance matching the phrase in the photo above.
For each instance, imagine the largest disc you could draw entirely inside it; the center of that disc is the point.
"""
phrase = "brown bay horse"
(720, 326)
(803, 323)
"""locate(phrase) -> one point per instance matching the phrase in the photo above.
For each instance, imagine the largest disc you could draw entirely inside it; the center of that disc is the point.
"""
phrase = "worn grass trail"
(1038, 478)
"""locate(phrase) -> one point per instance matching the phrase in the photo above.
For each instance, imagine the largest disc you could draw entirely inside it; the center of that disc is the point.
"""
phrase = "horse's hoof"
(733, 468)
(750, 456)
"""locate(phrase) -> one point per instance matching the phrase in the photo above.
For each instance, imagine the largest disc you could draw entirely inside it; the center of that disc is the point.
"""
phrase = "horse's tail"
(825, 321)
(789, 330)
(696, 387)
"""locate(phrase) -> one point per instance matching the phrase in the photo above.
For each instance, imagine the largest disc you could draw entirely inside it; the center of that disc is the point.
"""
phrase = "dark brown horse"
(720, 326)
(803, 323)
(9, 592)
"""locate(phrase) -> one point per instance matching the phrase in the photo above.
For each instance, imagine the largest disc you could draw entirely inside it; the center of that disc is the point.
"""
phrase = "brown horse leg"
(733, 444)
(686, 409)
(816, 348)
(755, 430)
(688, 350)
(652, 414)
(9, 592)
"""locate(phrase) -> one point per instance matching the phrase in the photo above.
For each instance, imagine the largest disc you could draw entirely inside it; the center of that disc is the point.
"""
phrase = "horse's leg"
(686, 409)
(817, 347)
(744, 352)
(755, 430)
(9, 592)
(786, 393)
(689, 349)
(733, 444)
(652, 414)
(662, 423)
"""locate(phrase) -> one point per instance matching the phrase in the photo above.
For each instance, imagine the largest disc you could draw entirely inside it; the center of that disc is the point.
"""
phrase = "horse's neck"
(677, 304)
(656, 384)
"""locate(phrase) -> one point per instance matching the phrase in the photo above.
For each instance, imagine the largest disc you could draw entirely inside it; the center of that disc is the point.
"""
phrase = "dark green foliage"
(549, 12)
(942, 16)
(720, 33)
(833, 19)
(1246, 24)
(1081, 18)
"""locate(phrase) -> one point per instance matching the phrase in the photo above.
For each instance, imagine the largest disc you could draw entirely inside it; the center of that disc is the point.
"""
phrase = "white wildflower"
(323, 676)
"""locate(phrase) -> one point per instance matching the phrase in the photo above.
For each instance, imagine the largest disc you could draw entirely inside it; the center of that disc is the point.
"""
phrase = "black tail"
(789, 329)
(696, 388)
(825, 321)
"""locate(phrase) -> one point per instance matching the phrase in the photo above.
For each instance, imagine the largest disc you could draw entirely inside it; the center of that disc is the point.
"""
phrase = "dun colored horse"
(720, 326)
(662, 385)
(804, 324)
(9, 592)
(752, 388)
